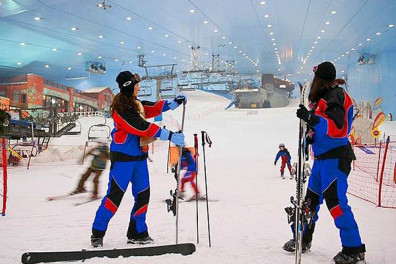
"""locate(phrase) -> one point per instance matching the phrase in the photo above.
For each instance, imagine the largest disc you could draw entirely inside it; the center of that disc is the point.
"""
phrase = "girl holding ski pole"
(128, 152)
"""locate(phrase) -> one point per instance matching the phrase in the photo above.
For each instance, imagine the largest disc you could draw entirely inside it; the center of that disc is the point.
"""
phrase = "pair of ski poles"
(205, 139)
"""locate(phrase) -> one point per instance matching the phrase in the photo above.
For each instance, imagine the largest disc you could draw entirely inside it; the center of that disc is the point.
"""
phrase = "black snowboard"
(37, 257)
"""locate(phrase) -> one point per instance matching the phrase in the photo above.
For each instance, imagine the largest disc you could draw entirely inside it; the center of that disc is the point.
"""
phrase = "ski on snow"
(86, 201)
(46, 257)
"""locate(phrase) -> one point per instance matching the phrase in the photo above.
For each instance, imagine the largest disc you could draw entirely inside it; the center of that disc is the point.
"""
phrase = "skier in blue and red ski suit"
(329, 120)
(129, 154)
(188, 163)
(284, 154)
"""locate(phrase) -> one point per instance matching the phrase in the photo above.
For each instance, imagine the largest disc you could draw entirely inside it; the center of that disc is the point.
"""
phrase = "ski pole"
(178, 179)
(196, 180)
(205, 137)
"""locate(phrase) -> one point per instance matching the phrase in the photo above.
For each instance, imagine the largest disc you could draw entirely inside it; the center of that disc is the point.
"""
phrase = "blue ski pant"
(121, 173)
(328, 181)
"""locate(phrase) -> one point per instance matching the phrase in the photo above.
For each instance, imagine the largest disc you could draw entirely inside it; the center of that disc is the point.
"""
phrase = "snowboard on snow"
(46, 257)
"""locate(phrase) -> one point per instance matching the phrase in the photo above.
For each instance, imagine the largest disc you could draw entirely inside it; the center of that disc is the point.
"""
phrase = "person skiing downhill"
(188, 163)
(100, 156)
(284, 154)
(329, 122)
(128, 154)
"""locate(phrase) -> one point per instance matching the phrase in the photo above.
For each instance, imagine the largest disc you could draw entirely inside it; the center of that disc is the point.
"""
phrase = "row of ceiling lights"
(378, 34)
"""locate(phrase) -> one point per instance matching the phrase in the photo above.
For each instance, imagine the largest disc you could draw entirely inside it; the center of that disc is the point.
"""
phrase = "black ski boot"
(140, 241)
(290, 246)
(282, 175)
(96, 241)
(343, 258)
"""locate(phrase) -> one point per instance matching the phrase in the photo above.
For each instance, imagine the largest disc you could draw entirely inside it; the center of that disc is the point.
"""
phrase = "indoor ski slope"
(248, 224)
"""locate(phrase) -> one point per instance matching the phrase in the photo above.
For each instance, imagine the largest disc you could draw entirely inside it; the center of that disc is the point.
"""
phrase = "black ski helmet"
(126, 82)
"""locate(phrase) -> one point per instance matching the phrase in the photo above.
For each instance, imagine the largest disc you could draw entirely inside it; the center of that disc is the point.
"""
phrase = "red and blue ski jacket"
(335, 112)
(129, 126)
(187, 161)
(285, 156)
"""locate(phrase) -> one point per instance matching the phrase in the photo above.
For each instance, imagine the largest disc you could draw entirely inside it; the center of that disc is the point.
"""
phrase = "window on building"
(15, 96)
(23, 98)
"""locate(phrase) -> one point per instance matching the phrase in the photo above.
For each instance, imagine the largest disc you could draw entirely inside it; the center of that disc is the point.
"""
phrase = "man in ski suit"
(188, 163)
(284, 154)
(128, 152)
(100, 156)
(329, 120)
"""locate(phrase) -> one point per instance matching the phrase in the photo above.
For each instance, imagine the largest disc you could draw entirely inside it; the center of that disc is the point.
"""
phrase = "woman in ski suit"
(329, 120)
(128, 152)
(188, 163)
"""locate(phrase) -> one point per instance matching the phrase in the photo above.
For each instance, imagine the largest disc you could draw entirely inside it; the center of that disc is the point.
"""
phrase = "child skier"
(128, 152)
(286, 158)
(100, 156)
(188, 163)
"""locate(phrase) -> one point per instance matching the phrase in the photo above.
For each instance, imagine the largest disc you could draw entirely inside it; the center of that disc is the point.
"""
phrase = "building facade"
(33, 91)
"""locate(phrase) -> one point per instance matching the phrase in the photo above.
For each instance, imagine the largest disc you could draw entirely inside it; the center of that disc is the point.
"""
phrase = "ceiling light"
(368, 39)
(183, 60)
(315, 42)
(312, 47)
(318, 37)
(327, 23)
(100, 36)
(333, 12)
(216, 30)
(129, 18)
(46, 66)
(274, 44)
(276, 49)
(266, 16)
(166, 35)
(347, 52)
(54, 49)
(342, 55)
(37, 18)
(205, 22)
(175, 58)
(243, 54)
(322, 31)
(192, 11)
(279, 69)
(163, 54)
(391, 26)
(235, 47)
(122, 42)
(74, 28)
(150, 28)
(79, 54)
(138, 47)
(152, 51)
(310, 50)
(130, 62)
(273, 39)
(262, 2)
(298, 72)
(378, 33)
(269, 26)
(115, 59)
(19, 63)
(230, 42)
(69, 68)
(360, 44)
(99, 57)
(271, 33)
(240, 51)
(352, 48)
(22, 44)
(223, 37)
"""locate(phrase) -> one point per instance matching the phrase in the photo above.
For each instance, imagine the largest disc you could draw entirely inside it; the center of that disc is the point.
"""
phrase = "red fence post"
(382, 171)
(3, 144)
(379, 158)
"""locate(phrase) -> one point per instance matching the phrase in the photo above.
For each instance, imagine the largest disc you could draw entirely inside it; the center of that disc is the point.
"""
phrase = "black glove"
(307, 116)
(181, 99)
(275, 163)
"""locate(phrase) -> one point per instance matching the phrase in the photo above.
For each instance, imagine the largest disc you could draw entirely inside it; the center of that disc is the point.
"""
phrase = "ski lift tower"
(158, 73)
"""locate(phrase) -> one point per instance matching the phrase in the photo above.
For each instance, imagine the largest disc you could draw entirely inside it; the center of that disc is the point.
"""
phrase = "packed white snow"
(248, 223)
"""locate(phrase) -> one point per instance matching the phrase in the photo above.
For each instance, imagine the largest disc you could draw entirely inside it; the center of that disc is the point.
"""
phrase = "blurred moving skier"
(128, 152)
(100, 155)
(329, 120)
(188, 163)
(284, 154)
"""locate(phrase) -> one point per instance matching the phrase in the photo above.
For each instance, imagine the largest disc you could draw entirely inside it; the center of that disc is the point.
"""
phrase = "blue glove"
(181, 99)
(173, 104)
(174, 137)
(177, 138)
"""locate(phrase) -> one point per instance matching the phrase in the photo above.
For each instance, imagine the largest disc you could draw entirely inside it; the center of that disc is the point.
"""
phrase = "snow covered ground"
(248, 223)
